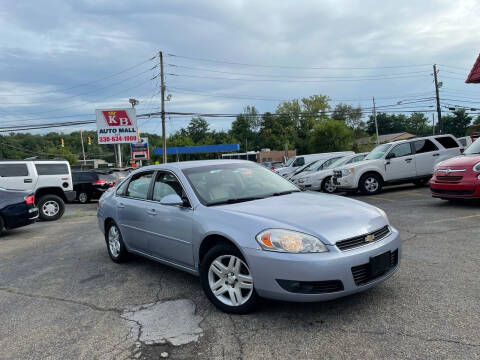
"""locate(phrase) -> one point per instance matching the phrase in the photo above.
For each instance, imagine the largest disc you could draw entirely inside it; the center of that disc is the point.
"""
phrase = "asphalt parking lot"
(62, 298)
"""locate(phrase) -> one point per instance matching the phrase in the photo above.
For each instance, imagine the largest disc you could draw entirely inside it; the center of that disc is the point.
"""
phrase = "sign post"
(117, 126)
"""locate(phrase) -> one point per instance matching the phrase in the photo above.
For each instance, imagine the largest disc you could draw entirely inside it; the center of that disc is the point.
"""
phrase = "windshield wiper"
(280, 193)
(236, 200)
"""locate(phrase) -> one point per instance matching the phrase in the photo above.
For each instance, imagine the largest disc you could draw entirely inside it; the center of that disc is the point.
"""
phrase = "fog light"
(478, 177)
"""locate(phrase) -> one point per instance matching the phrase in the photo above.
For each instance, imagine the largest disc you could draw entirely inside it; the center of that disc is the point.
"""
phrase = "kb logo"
(117, 118)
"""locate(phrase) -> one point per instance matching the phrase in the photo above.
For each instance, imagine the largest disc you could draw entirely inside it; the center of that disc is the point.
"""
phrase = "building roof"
(390, 137)
(474, 76)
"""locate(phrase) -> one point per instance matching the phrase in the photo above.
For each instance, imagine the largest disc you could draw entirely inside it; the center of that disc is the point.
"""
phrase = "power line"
(294, 67)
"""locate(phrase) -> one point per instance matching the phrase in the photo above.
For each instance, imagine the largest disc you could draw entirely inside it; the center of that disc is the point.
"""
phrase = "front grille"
(311, 287)
(362, 240)
(337, 173)
(361, 273)
(449, 179)
(452, 192)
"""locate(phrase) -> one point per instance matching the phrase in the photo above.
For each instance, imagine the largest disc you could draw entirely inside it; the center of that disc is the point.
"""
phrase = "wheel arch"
(375, 172)
(49, 191)
(211, 240)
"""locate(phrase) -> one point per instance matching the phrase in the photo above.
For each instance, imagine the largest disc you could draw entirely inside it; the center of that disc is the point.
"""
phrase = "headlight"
(346, 172)
(289, 241)
(476, 167)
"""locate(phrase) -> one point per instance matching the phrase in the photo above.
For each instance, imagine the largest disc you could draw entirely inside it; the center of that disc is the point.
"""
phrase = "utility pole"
(433, 123)
(162, 90)
(136, 102)
(439, 111)
(83, 149)
(375, 117)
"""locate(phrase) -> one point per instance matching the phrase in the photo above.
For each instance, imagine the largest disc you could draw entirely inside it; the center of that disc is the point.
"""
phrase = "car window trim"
(398, 157)
(179, 181)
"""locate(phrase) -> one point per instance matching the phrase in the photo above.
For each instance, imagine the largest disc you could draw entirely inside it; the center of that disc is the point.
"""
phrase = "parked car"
(17, 208)
(322, 179)
(49, 180)
(313, 167)
(403, 161)
(295, 162)
(248, 233)
(90, 185)
(458, 177)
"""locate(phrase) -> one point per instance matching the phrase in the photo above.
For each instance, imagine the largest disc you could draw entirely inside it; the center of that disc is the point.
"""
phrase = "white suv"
(51, 181)
(398, 162)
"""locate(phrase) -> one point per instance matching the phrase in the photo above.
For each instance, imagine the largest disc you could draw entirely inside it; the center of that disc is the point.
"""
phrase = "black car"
(90, 185)
(17, 208)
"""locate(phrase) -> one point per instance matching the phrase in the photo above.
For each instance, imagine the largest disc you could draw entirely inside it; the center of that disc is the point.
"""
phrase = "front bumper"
(464, 189)
(345, 182)
(268, 267)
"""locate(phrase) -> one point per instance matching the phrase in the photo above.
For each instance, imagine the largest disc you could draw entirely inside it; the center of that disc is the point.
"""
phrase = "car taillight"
(30, 200)
(99, 182)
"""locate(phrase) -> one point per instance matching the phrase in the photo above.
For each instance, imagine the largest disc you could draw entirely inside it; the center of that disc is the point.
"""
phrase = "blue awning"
(198, 149)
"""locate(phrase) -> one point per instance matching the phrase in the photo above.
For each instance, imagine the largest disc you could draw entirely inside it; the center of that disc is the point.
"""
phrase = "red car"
(458, 177)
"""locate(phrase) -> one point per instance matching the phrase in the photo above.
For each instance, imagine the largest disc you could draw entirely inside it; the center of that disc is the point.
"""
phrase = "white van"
(295, 162)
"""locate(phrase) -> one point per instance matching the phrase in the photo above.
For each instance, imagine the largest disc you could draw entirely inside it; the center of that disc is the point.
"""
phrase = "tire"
(2, 226)
(115, 245)
(370, 184)
(221, 265)
(421, 182)
(328, 186)
(50, 207)
(82, 197)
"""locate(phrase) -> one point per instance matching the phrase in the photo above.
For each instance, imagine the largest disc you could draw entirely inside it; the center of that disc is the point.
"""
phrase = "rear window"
(463, 142)
(13, 170)
(447, 142)
(423, 146)
(52, 169)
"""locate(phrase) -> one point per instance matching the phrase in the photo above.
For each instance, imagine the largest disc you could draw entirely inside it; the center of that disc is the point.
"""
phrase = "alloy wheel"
(82, 197)
(371, 184)
(50, 208)
(230, 280)
(330, 186)
(114, 241)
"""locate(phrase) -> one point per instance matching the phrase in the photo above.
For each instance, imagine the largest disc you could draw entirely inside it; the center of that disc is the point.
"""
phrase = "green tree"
(351, 116)
(245, 127)
(456, 124)
(197, 129)
(331, 135)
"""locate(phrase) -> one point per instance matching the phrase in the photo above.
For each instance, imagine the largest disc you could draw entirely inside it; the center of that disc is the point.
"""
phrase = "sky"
(59, 60)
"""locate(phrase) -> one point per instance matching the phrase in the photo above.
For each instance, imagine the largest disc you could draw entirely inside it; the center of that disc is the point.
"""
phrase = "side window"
(328, 163)
(423, 146)
(447, 142)
(401, 150)
(122, 188)
(356, 159)
(139, 185)
(166, 184)
(52, 169)
(13, 170)
(299, 162)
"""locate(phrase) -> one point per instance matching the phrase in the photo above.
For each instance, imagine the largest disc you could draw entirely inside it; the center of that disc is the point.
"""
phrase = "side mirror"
(390, 156)
(172, 200)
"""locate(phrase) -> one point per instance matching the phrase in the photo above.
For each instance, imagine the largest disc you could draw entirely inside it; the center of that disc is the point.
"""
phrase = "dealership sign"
(116, 126)
(139, 150)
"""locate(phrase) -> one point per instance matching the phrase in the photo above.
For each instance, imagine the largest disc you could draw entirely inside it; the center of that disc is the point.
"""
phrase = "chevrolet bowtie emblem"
(369, 238)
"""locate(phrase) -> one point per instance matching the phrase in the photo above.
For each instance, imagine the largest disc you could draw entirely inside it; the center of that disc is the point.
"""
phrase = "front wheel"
(227, 281)
(51, 207)
(370, 184)
(115, 246)
(328, 186)
(421, 182)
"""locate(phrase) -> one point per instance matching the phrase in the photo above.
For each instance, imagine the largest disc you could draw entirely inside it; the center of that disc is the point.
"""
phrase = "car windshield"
(474, 148)
(289, 162)
(378, 152)
(338, 163)
(231, 183)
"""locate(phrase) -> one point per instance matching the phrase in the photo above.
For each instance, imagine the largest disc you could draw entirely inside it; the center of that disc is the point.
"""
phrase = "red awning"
(474, 76)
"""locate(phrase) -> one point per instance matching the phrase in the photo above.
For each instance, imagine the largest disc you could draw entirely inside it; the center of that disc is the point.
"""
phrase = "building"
(261, 156)
(382, 139)
(93, 163)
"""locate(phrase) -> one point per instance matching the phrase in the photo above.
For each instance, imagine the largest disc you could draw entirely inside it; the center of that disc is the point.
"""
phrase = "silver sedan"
(248, 233)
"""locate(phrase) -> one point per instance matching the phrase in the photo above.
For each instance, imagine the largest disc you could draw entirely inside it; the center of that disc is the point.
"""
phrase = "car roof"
(421, 138)
(195, 163)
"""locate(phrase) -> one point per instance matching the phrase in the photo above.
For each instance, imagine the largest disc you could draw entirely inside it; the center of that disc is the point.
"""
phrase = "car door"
(400, 163)
(16, 176)
(132, 208)
(169, 227)
(426, 154)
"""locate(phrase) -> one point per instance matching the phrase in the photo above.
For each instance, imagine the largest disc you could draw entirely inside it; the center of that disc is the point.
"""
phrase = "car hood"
(460, 161)
(329, 217)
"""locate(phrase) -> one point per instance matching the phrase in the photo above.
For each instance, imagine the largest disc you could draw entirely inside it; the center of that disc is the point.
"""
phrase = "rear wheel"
(328, 186)
(115, 246)
(82, 197)
(227, 281)
(370, 184)
(421, 182)
(2, 226)
(51, 207)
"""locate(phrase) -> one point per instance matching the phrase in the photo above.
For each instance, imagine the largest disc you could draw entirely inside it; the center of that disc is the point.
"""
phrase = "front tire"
(51, 207)
(2, 226)
(227, 281)
(370, 184)
(421, 182)
(328, 186)
(115, 245)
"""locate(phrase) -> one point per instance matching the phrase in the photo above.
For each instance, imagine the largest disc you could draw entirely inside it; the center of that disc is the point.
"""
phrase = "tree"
(197, 129)
(417, 124)
(351, 116)
(331, 135)
(245, 126)
(456, 124)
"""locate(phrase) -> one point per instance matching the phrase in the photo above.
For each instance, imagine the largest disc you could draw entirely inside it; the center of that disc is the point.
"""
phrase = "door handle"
(121, 205)
(436, 155)
(408, 160)
(152, 212)
(26, 181)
